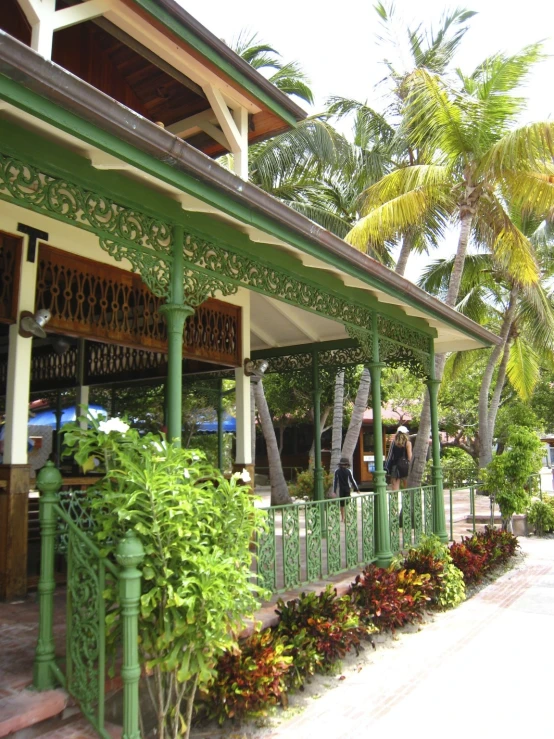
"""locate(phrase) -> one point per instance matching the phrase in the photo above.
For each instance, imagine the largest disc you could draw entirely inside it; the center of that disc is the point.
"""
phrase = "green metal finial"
(130, 551)
(49, 479)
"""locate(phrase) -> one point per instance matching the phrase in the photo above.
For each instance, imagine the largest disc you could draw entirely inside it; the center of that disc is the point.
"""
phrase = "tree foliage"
(506, 478)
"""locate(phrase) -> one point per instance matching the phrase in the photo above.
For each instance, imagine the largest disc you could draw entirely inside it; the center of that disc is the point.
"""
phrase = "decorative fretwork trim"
(28, 186)
(146, 243)
(278, 283)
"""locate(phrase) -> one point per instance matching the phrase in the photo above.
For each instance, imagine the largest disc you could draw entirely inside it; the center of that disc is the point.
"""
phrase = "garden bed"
(396, 600)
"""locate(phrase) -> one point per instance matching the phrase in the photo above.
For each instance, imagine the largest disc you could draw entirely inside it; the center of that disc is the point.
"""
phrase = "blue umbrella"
(48, 418)
(210, 427)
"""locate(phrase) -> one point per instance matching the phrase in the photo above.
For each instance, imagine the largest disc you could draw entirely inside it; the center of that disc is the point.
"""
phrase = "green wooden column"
(49, 482)
(383, 552)
(439, 518)
(129, 555)
(176, 312)
(316, 394)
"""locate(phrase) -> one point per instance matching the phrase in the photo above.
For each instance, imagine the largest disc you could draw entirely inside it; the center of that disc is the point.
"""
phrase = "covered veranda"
(87, 187)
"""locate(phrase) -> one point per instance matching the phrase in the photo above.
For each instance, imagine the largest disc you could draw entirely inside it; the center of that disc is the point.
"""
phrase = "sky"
(335, 42)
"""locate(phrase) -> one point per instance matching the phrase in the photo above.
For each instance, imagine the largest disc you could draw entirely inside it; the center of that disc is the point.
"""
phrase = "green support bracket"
(49, 482)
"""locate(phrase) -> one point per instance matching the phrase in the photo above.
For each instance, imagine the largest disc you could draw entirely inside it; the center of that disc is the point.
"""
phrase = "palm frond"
(523, 368)
(531, 191)
(390, 219)
(512, 250)
(405, 180)
(526, 148)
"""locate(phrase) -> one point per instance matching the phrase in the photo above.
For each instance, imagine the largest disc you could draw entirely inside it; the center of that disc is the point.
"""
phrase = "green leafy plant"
(304, 486)
(320, 629)
(249, 678)
(195, 527)
(453, 590)
(477, 555)
(470, 563)
(432, 557)
(389, 598)
(541, 515)
(506, 477)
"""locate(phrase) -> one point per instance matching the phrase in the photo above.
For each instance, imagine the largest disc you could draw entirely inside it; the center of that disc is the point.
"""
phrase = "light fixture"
(60, 344)
(255, 367)
(32, 325)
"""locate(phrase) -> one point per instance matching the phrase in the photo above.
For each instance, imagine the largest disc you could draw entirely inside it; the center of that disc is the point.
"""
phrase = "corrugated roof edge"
(21, 64)
(224, 51)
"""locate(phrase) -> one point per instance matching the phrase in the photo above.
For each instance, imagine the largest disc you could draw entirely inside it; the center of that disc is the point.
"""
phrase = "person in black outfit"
(343, 482)
(399, 458)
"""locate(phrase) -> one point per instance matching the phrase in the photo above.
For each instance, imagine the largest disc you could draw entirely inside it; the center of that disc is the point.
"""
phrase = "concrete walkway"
(482, 670)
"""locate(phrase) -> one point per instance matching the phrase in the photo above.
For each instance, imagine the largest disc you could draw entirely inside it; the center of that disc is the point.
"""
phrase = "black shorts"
(344, 494)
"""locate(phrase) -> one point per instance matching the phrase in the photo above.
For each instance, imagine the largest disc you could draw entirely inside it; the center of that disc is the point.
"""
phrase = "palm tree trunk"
(338, 418)
(486, 431)
(360, 405)
(421, 446)
(279, 490)
(405, 251)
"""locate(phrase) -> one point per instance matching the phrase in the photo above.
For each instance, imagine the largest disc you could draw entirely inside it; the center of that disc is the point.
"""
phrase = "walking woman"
(399, 458)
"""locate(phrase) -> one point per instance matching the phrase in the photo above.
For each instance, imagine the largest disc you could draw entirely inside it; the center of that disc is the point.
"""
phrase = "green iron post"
(439, 519)
(383, 552)
(316, 391)
(129, 555)
(176, 313)
(220, 425)
(49, 482)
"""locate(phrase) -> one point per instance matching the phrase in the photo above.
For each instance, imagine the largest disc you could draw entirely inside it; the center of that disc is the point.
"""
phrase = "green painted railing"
(310, 541)
(472, 489)
(83, 672)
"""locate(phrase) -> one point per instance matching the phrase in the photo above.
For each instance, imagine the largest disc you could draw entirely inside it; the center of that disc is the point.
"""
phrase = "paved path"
(482, 670)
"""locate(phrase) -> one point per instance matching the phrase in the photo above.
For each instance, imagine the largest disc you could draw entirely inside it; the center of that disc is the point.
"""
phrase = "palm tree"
(288, 77)
(482, 157)
(279, 490)
(523, 316)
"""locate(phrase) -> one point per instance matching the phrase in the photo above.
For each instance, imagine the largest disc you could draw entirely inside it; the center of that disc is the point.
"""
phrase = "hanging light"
(255, 367)
(32, 325)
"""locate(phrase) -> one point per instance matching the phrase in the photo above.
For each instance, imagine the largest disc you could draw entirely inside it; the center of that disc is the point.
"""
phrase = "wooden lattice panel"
(50, 370)
(98, 301)
(9, 277)
(107, 304)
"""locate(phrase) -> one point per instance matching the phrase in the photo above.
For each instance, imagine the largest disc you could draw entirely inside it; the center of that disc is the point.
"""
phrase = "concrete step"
(27, 708)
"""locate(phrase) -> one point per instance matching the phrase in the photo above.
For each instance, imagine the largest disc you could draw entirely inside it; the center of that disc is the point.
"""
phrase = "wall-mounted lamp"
(255, 367)
(32, 325)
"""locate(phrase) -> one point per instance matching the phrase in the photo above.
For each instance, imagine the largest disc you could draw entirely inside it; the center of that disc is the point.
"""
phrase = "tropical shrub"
(433, 558)
(471, 565)
(506, 477)
(195, 528)
(477, 555)
(249, 678)
(453, 589)
(458, 467)
(541, 515)
(319, 630)
(389, 598)
(304, 487)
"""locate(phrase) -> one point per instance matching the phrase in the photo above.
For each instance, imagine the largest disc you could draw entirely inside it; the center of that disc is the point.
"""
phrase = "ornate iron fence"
(89, 575)
(310, 541)
(410, 516)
